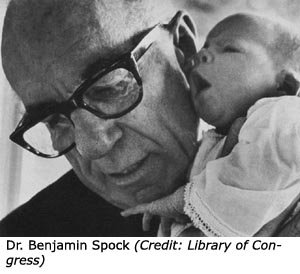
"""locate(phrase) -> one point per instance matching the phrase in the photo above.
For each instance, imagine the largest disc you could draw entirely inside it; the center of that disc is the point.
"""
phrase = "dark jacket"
(68, 208)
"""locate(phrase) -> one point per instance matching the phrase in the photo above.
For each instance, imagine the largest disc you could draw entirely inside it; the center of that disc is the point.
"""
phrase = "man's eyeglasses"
(110, 93)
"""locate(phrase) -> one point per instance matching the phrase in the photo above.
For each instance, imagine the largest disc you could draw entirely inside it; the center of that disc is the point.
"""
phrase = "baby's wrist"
(179, 196)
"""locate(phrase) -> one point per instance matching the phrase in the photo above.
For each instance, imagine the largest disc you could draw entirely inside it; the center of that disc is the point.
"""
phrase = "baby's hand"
(169, 208)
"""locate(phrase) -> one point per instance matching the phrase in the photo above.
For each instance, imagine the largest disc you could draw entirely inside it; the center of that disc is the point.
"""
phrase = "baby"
(245, 58)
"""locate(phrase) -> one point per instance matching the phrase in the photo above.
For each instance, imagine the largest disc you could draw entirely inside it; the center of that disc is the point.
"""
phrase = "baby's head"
(245, 58)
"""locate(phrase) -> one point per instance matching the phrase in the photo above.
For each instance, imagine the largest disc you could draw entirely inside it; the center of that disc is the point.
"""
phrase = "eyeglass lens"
(114, 93)
(52, 135)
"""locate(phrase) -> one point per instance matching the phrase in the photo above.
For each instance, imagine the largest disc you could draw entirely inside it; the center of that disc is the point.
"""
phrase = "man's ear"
(288, 83)
(184, 36)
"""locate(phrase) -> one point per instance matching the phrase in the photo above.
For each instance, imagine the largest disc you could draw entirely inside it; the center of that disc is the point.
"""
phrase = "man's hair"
(31, 26)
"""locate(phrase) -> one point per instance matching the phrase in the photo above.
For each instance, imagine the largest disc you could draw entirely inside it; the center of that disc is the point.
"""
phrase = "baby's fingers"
(166, 224)
(140, 209)
(147, 221)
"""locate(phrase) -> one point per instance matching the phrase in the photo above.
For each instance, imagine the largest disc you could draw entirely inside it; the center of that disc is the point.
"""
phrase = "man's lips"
(128, 170)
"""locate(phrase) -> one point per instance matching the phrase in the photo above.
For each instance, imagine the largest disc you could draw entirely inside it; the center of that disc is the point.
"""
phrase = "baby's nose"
(202, 57)
(205, 56)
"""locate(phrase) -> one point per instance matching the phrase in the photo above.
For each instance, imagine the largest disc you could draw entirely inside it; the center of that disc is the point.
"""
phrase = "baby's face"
(231, 71)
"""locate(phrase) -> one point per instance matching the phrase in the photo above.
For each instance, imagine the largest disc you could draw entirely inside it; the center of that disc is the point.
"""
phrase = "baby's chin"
(222, 130)
(220, 127)
(233, 126)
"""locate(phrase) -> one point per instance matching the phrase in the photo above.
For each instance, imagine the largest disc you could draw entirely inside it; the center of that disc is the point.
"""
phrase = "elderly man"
(103, 76)
(105, 79)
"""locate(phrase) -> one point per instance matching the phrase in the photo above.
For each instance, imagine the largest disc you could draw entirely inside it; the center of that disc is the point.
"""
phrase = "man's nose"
(94, 137)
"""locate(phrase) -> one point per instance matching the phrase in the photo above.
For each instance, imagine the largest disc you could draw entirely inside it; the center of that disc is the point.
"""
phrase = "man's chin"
(150, 180)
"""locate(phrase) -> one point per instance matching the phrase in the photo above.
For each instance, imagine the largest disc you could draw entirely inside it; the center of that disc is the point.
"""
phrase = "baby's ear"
(288, 83)
(184, 36)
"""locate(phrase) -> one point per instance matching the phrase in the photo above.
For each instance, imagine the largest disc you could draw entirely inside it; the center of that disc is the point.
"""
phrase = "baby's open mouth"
(199, 83)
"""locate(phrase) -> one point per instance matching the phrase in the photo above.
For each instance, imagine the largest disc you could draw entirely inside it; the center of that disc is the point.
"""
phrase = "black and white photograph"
(150, 118)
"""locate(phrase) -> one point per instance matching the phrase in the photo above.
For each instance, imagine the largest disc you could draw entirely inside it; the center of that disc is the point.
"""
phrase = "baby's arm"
(169, 208)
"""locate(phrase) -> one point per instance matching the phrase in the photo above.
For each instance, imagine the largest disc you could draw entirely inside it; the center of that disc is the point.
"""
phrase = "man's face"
(142, 155)
(233, 70)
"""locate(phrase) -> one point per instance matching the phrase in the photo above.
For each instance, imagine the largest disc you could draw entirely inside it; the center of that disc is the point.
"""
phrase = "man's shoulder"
(67, 208)
(52, 202)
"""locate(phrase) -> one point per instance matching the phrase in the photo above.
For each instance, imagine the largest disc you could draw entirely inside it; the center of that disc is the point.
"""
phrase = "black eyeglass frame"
(127, 61)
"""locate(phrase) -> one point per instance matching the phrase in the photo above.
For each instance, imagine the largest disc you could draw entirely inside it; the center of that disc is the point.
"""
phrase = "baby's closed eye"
(231, 49)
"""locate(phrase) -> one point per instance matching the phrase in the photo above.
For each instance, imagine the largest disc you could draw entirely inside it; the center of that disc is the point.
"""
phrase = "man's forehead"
(107, 56)
(59, 79)
(86, 55)
(46, 34)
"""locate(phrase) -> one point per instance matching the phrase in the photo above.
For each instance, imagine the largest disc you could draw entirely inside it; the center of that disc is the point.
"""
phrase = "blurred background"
(22, 174)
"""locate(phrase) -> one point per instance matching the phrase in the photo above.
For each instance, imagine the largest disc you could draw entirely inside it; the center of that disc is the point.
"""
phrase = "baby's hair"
(286, 47)
(283, 46)
(286, 51)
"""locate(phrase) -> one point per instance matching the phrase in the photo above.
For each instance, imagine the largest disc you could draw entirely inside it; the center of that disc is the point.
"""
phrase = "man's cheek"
(62, 138)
